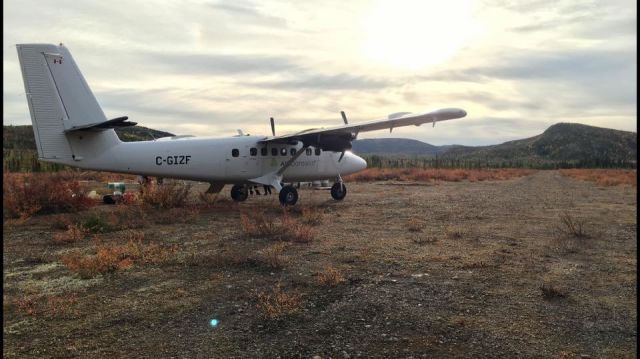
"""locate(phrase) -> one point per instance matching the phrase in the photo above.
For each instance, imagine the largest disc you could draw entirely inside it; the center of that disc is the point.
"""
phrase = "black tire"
(338, 191)
(288, 196)
(239, 193)
(108, 199)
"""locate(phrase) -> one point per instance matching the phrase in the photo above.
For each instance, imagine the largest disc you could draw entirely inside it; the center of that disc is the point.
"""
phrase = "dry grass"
(550, 292)
(167, 195)
(109, 258)
(423, 239)
(312, 215)
(278, 304)
(26, 305)
(414, 225)
(58, 305)
(284, 227)
(73, 233)
(273, 256)
(176, 215)
(455, 232)
(94, 221)
(53, 305)
(330, 277)
(451, 175)
(604, 177)
(26, 194)
(572, 227)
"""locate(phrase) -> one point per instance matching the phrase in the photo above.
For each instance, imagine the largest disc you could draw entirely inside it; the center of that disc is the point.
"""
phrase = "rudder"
(59, 99)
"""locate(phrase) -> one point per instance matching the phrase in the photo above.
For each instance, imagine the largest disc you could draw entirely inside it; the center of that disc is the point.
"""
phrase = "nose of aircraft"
(352, 163)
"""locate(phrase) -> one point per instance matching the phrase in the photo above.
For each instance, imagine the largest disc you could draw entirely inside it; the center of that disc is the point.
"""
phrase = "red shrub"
(424, 175)
(26, 194)
(604, 177)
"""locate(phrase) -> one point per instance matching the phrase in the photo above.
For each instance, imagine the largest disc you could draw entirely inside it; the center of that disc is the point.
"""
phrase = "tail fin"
(60, 100)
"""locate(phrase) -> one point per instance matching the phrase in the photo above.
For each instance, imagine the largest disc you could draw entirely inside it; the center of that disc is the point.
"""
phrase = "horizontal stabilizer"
(113, 123)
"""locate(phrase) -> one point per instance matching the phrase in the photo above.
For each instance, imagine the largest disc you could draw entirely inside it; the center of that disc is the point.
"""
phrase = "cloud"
(327, 82)
(216, 64)
(209, 67)
(249, 13)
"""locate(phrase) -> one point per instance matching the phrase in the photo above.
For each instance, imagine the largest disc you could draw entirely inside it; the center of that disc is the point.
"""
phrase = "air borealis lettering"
(173, 160)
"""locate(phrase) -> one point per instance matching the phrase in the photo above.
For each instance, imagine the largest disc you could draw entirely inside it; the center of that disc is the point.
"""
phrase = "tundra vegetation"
(436, 263)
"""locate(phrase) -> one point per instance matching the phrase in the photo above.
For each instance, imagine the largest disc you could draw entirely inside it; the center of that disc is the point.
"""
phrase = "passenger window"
(317, 152)
(263, 151)
(274, 151)
(253, 151)
(309, 151)
(235, 152)
(293, 151)
(283, 151)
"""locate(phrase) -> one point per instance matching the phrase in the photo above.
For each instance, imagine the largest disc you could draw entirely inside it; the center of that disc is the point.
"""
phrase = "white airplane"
(71, 129)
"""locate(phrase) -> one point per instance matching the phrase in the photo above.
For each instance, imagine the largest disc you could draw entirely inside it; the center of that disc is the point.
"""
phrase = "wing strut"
(274, 178)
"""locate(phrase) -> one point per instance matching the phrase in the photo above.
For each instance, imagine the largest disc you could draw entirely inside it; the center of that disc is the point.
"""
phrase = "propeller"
(273, 127)
(344, 118)
(341, 155)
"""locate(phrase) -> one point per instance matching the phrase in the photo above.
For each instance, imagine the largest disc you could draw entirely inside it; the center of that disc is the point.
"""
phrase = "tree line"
(376, 161)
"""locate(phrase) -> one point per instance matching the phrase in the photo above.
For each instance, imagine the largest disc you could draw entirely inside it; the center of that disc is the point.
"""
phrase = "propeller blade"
(344, 117)
(341, 155)
(273, 127)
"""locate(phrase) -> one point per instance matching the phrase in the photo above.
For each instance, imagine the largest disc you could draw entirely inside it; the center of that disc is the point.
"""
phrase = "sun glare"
(413, 34)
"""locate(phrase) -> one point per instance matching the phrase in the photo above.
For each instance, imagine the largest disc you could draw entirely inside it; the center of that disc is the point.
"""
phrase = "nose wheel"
(239, 193)
(288, 196)
(338, 191)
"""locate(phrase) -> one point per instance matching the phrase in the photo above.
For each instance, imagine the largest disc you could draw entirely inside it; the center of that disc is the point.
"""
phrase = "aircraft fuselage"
(225, 160)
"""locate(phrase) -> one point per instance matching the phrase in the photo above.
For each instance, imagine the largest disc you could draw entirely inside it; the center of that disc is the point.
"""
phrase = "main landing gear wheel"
(338, 191)
(288, 196)
(239, 193)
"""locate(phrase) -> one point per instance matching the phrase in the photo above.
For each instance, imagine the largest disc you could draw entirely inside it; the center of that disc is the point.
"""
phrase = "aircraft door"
(241, 162)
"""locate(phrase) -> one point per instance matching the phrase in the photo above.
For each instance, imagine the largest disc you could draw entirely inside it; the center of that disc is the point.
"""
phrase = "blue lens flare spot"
(213, 323)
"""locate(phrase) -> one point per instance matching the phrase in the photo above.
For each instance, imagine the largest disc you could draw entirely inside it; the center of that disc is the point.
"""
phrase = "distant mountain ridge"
(562, 142)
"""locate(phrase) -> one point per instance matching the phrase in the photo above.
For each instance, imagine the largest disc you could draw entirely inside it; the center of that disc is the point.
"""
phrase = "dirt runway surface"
(449, 269)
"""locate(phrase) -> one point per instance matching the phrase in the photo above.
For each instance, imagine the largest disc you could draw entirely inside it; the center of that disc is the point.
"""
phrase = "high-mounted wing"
(339, 138)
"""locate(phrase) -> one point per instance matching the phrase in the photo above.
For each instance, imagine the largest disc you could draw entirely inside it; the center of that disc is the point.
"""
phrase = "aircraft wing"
(339, 138)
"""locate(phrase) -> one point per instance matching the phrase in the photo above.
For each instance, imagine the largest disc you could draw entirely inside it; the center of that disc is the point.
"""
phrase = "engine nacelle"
(335, 143)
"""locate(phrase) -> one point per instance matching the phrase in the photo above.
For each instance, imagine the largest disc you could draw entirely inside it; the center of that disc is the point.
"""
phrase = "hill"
(394, 146)
(569, 143)
(563, 144)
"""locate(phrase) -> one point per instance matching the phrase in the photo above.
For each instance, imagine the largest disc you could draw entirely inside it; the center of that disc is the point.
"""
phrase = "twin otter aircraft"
(71, 129)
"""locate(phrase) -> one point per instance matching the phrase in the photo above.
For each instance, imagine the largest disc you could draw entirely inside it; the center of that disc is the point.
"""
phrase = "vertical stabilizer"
(59, 100)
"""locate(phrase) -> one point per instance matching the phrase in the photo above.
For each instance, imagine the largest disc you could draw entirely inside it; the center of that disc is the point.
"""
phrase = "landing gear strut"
(338, 191)
(239, 193)
(288, 196)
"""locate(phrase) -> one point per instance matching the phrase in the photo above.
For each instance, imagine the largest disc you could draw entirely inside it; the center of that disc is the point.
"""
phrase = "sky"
(208, 68)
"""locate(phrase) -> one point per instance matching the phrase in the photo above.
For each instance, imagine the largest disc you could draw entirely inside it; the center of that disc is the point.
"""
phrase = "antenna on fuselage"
(344, 117)
(273, 127)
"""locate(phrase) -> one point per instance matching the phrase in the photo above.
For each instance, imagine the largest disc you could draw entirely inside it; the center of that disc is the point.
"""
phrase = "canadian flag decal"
(57, 61)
